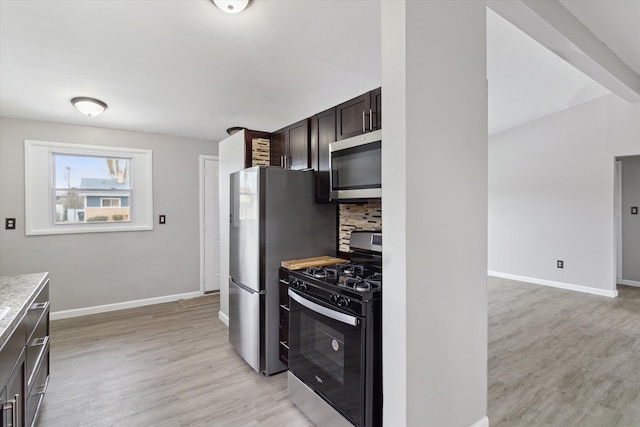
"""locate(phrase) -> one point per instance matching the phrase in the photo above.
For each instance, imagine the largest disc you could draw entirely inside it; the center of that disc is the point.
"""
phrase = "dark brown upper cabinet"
(323, 133)
(359, 115)
(290, 146)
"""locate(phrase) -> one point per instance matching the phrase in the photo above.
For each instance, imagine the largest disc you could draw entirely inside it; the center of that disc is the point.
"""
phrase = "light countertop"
(18, 293)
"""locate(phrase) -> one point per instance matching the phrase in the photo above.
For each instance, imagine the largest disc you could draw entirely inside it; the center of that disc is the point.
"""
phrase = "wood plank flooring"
(563, 358)
(556, 358)
(161, 365)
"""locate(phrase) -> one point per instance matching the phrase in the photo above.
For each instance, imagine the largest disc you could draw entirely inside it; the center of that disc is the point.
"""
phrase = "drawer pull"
(39, 305)
(284, 282)
(284, 307)
(44, 387)
(284, 344)
(40, 341)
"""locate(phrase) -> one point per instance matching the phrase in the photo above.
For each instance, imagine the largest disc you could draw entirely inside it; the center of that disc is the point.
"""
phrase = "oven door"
(326, 351)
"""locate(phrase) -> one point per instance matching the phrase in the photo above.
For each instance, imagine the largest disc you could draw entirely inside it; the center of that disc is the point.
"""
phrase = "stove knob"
(334, 299)
(343, 302)
(296, 284)
(303, 287)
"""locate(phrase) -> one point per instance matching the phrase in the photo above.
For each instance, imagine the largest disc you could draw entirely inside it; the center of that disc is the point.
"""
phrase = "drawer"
(37, 350)
(38, 307)
(284, 346)
(284, 317)
(36, 395)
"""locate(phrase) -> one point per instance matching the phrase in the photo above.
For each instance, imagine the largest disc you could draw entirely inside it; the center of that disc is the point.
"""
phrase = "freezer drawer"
(246, 308)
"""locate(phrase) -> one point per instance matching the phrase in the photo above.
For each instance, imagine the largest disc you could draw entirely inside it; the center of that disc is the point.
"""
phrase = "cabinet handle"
(284, 344)
(284, 307)
(284, 282)
(13, 406)
(16, 410)
(363, 125)
(370, 119)
(44, 387)
(40, 341)
(39, 306)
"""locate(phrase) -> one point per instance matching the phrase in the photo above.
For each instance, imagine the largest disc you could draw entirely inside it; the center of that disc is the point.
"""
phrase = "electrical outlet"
(162, 219)
(10, 224)
(634, 210)
(560, 264)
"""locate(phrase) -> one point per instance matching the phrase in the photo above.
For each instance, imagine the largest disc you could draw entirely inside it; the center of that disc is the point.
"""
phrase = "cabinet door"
(323, 133)
(278, 147)
(12, 401)
(352, 117)
(297, 143)
(376, 108)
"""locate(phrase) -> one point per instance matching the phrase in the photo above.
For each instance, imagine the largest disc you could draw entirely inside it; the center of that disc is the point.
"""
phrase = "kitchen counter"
(18, 293)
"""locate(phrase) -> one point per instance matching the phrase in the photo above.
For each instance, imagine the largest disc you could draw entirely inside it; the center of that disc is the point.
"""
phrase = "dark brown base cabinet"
(284, 316)
(24, 365)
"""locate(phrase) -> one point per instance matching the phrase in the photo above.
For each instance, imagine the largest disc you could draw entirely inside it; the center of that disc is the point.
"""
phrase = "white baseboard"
(482, 422)
(630, 282)
(551, 283)
(65, 314)
(224, 318)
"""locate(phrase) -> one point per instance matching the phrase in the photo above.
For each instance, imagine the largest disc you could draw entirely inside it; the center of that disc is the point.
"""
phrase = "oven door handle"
(335, 315)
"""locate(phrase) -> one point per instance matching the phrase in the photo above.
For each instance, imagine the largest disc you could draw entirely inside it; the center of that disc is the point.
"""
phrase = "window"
(110, 203)
(72, 188)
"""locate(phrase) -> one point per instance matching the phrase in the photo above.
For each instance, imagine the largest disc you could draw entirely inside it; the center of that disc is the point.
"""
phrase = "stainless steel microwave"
(356, 167)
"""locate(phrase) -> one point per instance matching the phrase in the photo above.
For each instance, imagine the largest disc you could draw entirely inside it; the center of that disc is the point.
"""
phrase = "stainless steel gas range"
(335, 338)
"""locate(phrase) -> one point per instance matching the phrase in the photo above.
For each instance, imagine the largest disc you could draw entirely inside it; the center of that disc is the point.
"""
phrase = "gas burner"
(361, 285)
(350, 269)
(317, 272)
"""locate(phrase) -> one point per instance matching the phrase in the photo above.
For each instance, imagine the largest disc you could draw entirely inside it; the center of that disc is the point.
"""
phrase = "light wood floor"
(160, 365)
(563, 358)
(556, 358)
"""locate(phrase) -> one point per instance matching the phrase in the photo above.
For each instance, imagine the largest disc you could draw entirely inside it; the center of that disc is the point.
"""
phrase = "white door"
(211, 227)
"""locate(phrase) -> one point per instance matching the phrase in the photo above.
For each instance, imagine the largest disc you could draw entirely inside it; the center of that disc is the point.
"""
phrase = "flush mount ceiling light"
(231, 6)
(235, 129)
(89, 106)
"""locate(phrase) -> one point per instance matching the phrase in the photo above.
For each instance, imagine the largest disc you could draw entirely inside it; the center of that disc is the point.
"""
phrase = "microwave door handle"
(332, 314)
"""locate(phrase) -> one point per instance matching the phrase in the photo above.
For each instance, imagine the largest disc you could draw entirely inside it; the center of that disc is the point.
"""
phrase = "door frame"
(618, 220)
(201, 161)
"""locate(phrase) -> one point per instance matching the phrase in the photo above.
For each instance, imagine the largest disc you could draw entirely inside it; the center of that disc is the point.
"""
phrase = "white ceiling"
(185, 68)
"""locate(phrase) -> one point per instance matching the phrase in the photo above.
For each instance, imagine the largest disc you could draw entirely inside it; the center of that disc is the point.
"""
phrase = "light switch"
(634, 210)
(162, 219)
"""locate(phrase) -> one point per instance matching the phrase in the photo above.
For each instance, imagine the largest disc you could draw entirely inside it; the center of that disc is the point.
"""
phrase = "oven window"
(357, 167)
(323, 346)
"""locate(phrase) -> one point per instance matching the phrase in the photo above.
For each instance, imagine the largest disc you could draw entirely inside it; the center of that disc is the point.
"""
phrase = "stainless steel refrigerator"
(273, 217)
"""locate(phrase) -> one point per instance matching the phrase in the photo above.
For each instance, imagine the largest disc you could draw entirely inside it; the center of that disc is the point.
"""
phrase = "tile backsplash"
(358, 216)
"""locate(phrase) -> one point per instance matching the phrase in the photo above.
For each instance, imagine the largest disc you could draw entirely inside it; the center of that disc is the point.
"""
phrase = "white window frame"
(111, 199)
(39, 204)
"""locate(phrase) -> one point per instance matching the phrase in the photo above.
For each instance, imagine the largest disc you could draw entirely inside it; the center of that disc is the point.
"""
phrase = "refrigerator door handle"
(246, 288)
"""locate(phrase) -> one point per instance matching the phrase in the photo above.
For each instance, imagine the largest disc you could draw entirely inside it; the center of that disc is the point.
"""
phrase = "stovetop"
(355, 277)
(349, 286)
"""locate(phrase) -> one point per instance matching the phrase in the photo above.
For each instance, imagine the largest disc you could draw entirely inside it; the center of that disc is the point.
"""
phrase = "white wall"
(551, 194)
(630, 223)
(434, 174)
(231, 160)
(103, 268)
